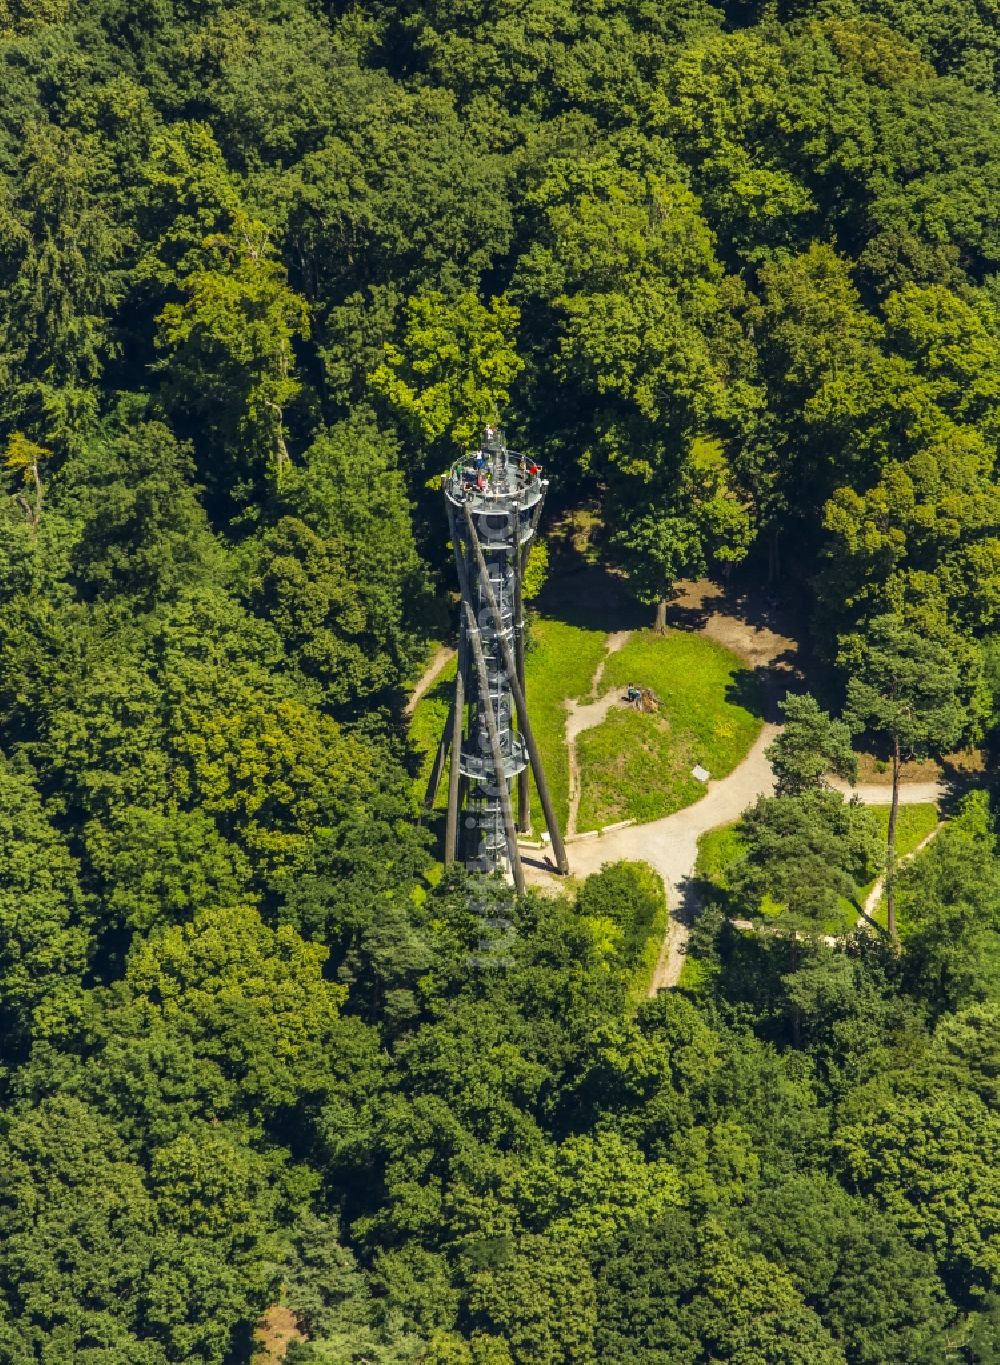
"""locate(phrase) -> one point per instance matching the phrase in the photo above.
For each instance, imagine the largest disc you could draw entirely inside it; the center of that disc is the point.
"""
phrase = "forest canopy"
(731, 272)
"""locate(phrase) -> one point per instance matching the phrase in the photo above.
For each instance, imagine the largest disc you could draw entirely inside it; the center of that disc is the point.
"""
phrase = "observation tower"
(493, 498)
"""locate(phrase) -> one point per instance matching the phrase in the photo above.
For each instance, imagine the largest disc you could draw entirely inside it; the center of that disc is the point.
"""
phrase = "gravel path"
(584, 716)
(880, 794)
(670, 846)
(429, 676)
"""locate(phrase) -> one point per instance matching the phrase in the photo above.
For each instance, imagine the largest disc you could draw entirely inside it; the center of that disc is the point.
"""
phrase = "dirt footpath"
(880, 794)
(584, 716)
(430, 675)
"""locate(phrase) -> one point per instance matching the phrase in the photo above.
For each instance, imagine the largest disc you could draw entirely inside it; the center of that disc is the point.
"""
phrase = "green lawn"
(426, 725)
(719, 848)
(634, 766)
(560, 663)
(638, 767)
(912, 827)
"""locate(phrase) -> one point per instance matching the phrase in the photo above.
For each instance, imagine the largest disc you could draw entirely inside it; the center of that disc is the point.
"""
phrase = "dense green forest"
(730, 271)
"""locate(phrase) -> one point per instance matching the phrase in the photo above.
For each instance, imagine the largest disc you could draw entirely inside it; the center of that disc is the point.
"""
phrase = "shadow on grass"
(421, 732)
(759, 690)
(750, 689)
(442, 690)
(592, 598)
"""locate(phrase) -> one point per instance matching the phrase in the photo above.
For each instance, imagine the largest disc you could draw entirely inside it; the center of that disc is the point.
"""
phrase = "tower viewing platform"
(493, 479)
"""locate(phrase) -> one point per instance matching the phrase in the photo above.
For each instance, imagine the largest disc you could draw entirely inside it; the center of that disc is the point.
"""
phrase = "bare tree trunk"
(283, 459)
(32, 514)
(281, 455)
(38, 491)
(890, 853)
(660, 625)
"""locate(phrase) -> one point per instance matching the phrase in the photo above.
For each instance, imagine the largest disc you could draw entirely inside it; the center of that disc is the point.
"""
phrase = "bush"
(630, 894)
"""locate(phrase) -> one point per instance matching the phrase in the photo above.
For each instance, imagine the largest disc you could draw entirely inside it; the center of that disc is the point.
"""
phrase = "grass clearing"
(634, 766)
(426, 724)
(912, 828)
(638, 767)
(719, 849)
(560, 664)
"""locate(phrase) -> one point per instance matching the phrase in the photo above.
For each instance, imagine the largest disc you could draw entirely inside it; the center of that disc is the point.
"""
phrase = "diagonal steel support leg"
(558, 847)
(494, 736)
(523, 554)
(444, 745)
(455, 720)
(523, 785)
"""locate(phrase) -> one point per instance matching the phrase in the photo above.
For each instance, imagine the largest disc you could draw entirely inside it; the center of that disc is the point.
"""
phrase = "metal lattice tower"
(494, 500)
